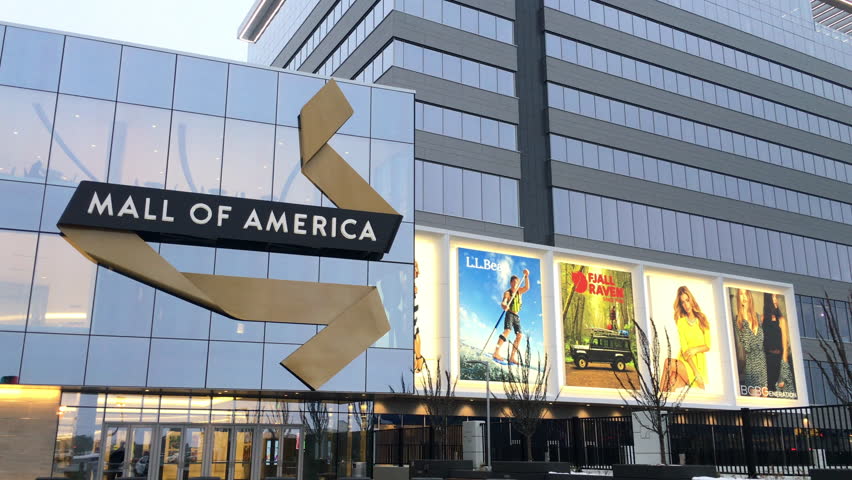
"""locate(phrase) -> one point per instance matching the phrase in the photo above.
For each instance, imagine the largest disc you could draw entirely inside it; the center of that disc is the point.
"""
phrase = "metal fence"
(780, 441)
(585, 442)
(400, 446)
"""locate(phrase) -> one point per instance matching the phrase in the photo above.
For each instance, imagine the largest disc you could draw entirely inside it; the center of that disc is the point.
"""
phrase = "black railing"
(781, 441)
(585, 442)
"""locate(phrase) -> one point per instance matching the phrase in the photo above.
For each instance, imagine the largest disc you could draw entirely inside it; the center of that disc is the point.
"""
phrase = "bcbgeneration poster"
(762, 344)
(499, 311)
(598, 326)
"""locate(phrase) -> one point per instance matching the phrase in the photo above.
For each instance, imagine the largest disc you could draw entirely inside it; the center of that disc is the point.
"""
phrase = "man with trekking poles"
(511, 305)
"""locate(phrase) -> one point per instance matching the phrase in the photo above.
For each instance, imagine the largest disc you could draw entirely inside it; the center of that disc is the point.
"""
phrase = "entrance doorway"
(180, 452)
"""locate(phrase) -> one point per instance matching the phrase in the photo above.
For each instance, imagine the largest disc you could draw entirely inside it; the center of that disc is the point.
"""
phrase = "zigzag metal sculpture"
(354, 316)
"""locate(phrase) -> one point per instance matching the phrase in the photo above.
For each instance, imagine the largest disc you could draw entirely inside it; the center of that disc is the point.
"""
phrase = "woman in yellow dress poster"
(693, 330)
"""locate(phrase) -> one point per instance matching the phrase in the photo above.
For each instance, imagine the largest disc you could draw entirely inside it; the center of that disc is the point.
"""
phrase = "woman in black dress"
(774, 340)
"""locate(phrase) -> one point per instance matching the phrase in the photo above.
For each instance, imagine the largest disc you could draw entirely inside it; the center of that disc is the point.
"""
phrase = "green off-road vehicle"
(605, 346)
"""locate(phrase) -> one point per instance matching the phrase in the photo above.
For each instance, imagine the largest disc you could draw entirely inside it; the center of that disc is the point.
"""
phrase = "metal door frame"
(207, 450)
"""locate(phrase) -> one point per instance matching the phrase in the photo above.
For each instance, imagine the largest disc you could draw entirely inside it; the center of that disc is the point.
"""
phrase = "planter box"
(662, 472)
(531, 467)
(573, 476)
(438, 468)
(831, 474)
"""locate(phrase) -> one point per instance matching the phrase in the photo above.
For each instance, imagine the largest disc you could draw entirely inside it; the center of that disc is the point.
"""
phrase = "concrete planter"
(662, 472)
(831, 474)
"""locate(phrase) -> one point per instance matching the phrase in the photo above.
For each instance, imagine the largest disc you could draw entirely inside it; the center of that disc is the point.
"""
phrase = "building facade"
(121, 363)
(609, 147)
(705, 134)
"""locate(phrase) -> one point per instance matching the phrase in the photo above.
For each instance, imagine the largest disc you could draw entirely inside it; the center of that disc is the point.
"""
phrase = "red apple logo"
(580, 283)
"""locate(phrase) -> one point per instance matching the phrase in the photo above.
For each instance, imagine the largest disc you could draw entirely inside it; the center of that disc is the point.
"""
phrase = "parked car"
(605, 346)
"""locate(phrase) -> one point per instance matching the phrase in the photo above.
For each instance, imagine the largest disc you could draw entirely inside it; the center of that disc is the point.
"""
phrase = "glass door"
(290, 453)
(220, 460)
(114, 452)
(141, 441)
(270, 446)
(193, 452)
(170, 458)
(243, 453)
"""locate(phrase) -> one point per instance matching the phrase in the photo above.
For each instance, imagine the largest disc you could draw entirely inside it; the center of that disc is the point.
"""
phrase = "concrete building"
(607, 153)
(709, 134)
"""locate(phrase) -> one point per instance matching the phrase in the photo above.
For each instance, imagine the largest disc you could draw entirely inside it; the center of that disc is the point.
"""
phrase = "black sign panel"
(228, 222)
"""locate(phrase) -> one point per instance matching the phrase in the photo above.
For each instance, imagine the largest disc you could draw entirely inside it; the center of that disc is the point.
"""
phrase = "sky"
(480, 294)
(206, 27)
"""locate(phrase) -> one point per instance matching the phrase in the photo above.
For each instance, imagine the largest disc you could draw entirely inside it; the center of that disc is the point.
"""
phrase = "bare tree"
(652, 394)
(526, 395)
(835, 369)
(437, 392)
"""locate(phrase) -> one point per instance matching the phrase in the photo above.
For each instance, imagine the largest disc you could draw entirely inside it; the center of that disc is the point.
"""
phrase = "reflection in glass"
(200, 85)
(81, 140)
(170, 447)
(242, 454)
(90, 68)
(392, 175)
(61, 302)
(78, 436)
(122, 306)
(289, 185)
(139, 146)
(250, 93)
(395, 282)
(20, 205)
(195, 153)
(31, 59)
(26, 121)
(17, 255)
(247, 167)
(293, 92)
(221, 454)
(392, 115)
(114, 455)
(147, 77)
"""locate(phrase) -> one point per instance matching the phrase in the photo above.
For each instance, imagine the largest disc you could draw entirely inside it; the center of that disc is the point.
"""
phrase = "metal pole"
(488, 415)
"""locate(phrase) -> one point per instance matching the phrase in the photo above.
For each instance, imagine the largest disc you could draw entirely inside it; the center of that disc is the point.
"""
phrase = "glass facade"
(613, 160)
(141, 117)
(662, 34)
(633, 116)
(675, 82)
(633, 224)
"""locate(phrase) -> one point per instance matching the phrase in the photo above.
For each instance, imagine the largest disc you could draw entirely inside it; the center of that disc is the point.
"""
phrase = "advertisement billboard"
(499, 311)
(598, 325)
(762, 344)
(684, 312)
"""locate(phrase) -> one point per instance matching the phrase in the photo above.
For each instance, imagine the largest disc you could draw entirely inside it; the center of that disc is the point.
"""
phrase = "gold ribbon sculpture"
(354, 316)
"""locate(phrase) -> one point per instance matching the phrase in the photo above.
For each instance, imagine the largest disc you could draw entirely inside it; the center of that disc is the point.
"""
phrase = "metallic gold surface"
(354, 315)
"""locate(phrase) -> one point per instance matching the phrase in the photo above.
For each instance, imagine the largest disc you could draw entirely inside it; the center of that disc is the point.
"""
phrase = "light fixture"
(65, 316)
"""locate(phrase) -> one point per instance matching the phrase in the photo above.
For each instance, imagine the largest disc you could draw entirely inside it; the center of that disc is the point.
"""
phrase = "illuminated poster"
(762, 344)
(499, 310)
(683, 309)
(598, 322)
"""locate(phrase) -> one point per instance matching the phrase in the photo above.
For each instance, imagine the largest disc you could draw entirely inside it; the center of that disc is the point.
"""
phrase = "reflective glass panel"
(200, 85)
(392, 115)
(26, 121)
(81, 140)
(140, 145)
(17, 255)
(61, 302)
(251, 92)
(147, 77)
(395, 282)
(31, 59)
(122, 306)
(289, 184)
(392, 174)
(90, 68)
(195, 153)
(20, 205)
(247, 165)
